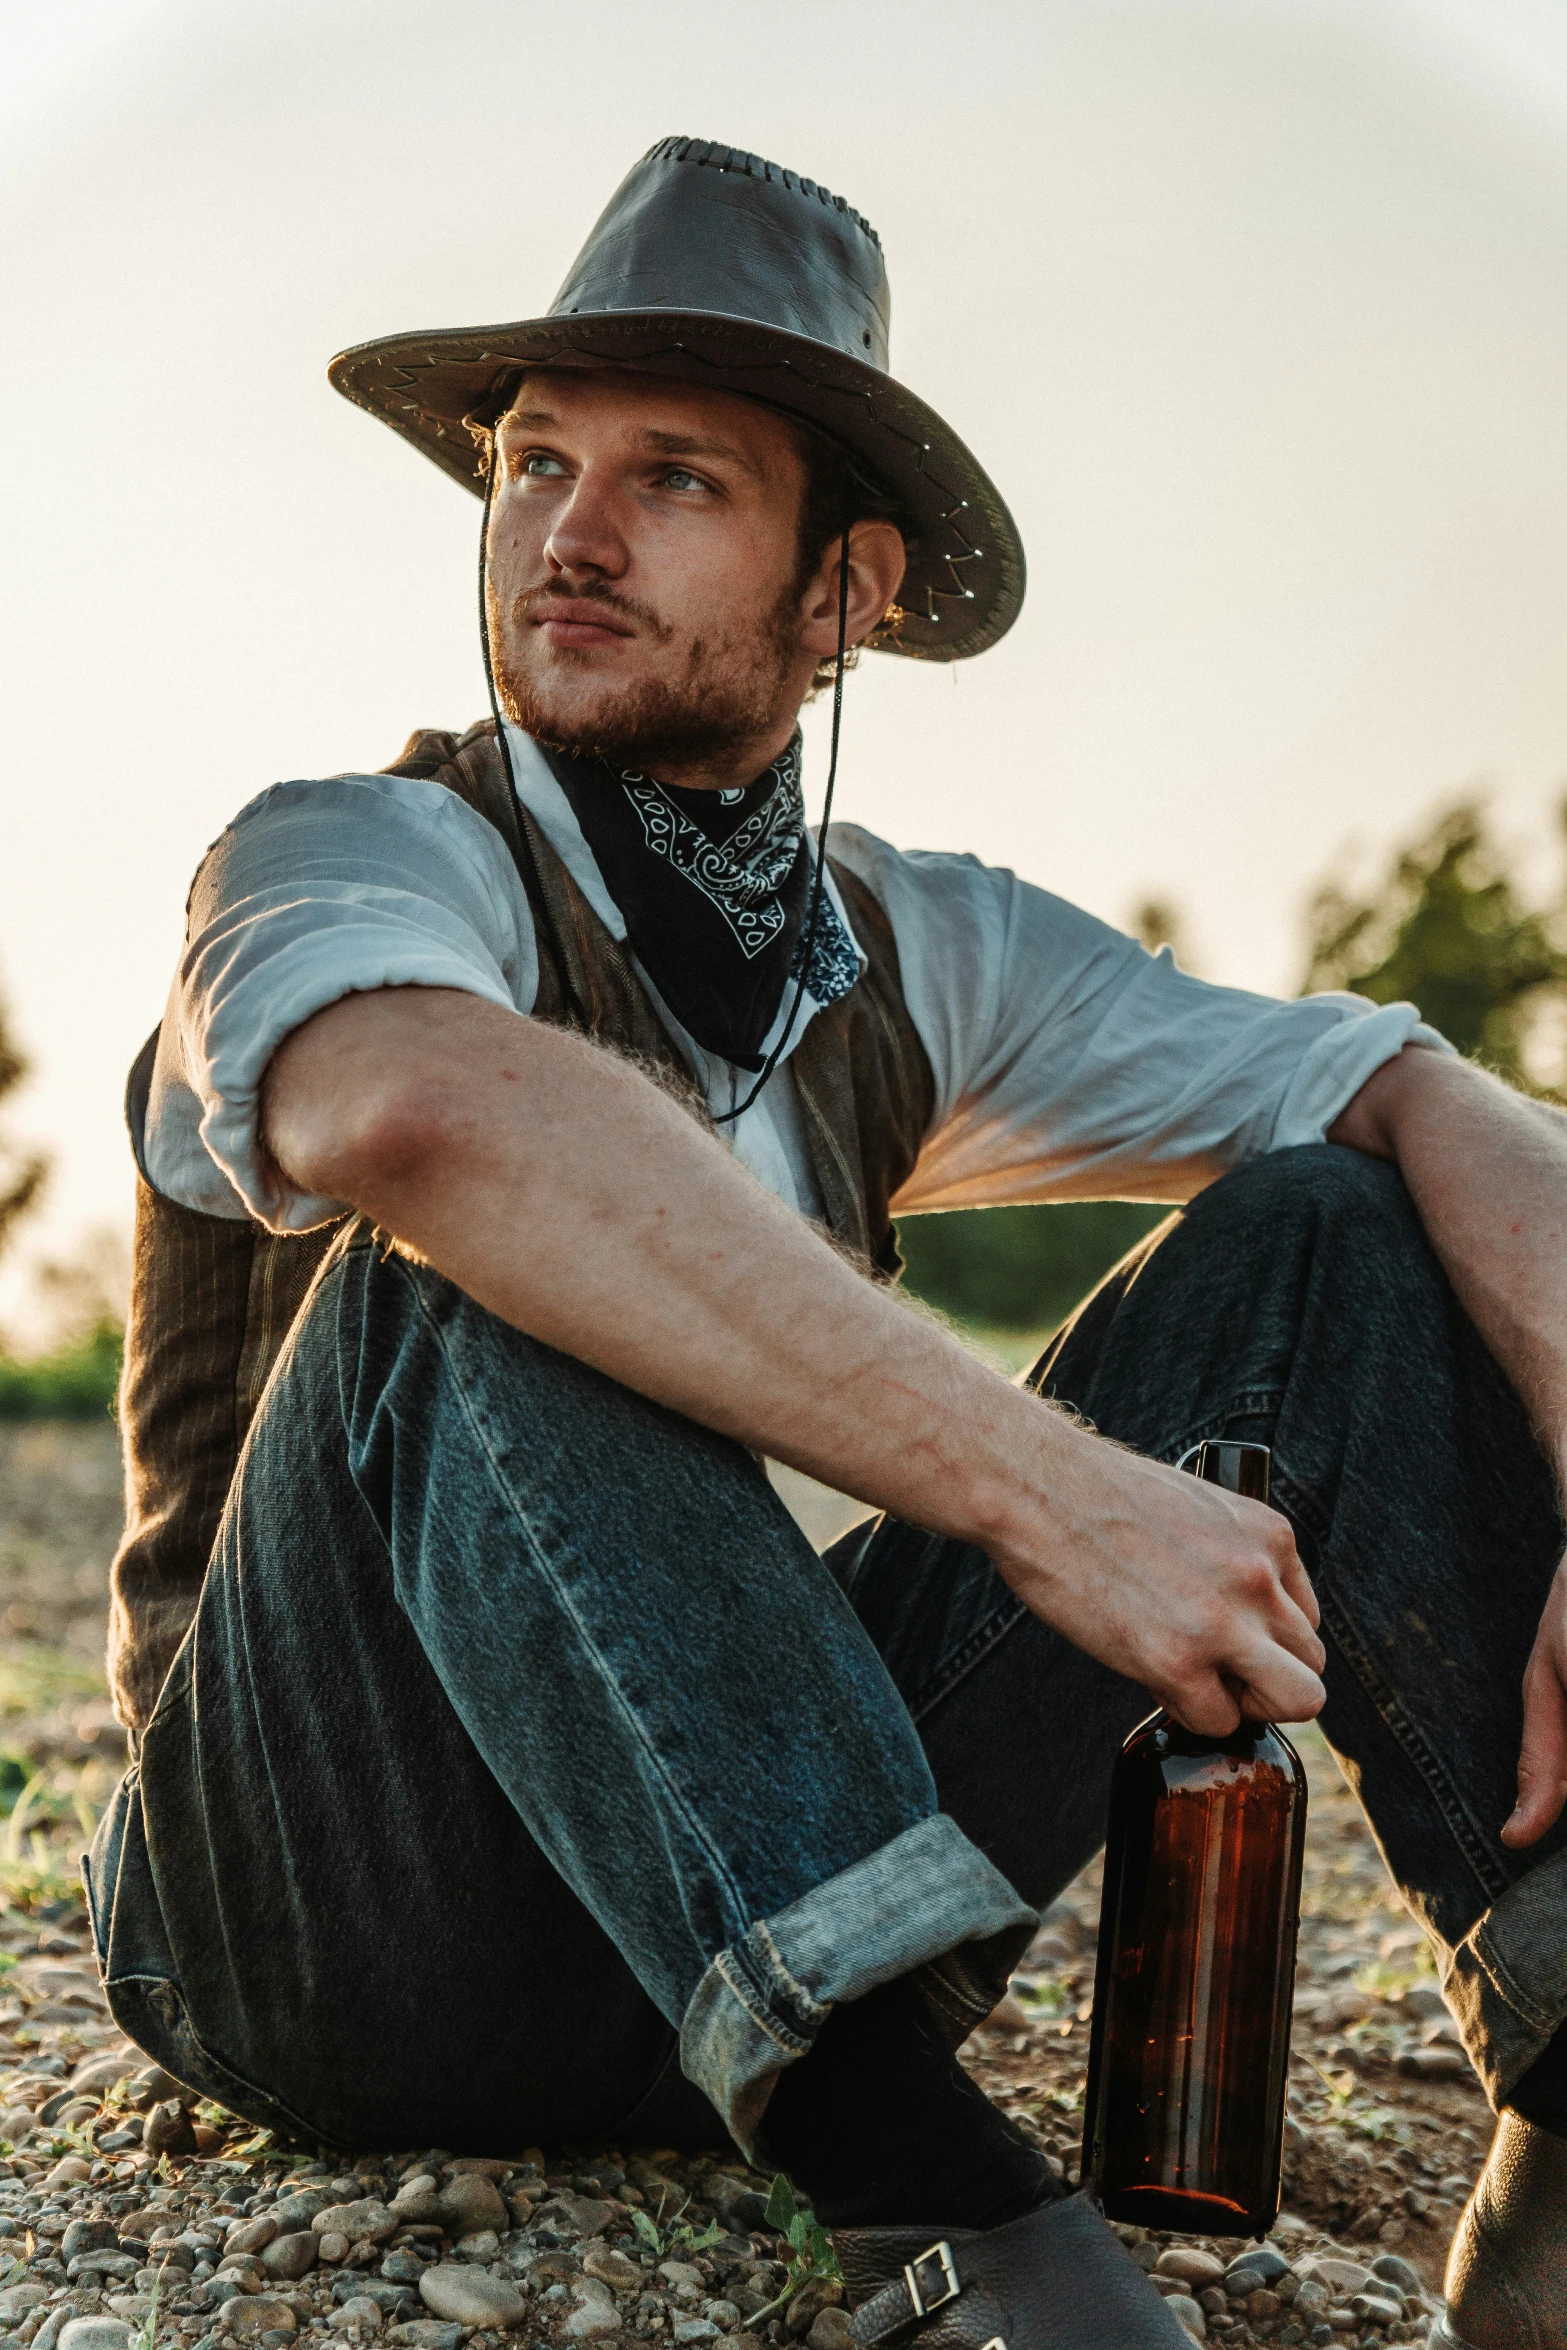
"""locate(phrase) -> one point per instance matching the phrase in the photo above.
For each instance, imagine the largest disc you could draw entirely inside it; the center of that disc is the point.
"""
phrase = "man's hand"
(1542, 1762)
(561, 1190)
(1196, 1592)
(1487, 1170)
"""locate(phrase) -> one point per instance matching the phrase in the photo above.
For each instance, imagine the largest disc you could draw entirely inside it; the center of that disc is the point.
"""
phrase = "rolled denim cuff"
(928, 1904)
(1506, 1982)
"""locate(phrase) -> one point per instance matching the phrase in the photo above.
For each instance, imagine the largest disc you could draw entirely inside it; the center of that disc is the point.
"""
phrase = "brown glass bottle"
(1189, 2054)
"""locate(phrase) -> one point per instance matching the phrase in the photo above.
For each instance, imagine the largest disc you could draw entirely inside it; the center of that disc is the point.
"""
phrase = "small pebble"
(1342, 2277)
(1263, 2262)
(1377, 2309)
(93, 2333)
(365, 2219)
(358, 2310)
(260, 2313)
(288, 2258)
(167, 2129)
(1189, 2265)
(614, 2269)
(84, 2235)
(469, 2297)
(830, 2331)
(1437, 2063)
(403, 2268)
(471, 2202)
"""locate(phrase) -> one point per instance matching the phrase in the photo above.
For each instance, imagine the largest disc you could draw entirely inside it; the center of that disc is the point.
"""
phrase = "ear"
(877, 562)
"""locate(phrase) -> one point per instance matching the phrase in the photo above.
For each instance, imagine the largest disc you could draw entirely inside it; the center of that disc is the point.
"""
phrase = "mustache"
(592, 591)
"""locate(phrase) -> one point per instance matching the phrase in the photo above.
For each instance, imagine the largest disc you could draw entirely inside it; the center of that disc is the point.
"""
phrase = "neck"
(729, 770)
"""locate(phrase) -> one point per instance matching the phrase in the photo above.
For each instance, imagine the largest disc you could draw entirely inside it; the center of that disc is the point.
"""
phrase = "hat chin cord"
(813, 919)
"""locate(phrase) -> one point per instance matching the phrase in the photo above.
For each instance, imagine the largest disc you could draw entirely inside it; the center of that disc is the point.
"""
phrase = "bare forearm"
(1487, 1170)
(562, 1191)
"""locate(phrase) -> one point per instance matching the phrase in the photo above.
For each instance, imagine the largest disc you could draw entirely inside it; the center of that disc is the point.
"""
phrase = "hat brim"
(965, 580)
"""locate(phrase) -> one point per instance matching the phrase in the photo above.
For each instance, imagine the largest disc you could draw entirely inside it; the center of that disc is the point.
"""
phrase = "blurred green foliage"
(1448, 930)
(1019, 1268)
(76, 1384)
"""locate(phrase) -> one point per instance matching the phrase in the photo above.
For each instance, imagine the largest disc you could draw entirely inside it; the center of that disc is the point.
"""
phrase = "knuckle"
(1258, 1582)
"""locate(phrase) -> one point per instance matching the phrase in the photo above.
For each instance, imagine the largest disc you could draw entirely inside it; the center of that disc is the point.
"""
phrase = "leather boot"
(1057, 2279)
(1507, 2272)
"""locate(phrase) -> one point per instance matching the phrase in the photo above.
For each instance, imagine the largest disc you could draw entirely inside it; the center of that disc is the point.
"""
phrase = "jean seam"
(220, 2070)
(948, 1987)
(813, 2008)
(628, 1713)
(1251, 1403)
(734, 1978)
(970, 1652)
(1507, 1987)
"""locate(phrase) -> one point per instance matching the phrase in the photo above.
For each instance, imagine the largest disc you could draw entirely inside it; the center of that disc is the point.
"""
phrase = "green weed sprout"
(666, 2240)
(809, 2258)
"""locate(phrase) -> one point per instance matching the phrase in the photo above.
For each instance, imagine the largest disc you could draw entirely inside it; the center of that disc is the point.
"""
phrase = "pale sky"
(1255, 312)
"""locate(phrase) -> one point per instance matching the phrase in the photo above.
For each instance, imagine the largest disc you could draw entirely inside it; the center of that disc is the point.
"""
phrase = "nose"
(585, 541)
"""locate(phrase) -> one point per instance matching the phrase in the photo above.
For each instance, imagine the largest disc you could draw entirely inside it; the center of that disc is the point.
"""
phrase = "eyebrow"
(684, 444)
(667, 444)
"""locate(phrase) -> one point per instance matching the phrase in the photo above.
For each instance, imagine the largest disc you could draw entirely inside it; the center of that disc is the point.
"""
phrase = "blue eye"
(678, 478)
(538, 462)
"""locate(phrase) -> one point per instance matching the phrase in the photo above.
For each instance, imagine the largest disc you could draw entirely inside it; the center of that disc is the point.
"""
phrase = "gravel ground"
(112, 2179)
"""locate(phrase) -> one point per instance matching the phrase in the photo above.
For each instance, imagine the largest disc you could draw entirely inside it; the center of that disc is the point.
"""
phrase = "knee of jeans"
(1322, 1182)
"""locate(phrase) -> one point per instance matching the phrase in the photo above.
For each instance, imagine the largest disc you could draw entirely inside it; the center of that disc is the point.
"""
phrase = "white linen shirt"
(1069, 1063)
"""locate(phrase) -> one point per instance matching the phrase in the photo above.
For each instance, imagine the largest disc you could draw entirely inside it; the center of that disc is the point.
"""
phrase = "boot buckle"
(928, 2296)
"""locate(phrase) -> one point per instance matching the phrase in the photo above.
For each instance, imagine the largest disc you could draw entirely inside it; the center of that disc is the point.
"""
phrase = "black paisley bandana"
(714, 888)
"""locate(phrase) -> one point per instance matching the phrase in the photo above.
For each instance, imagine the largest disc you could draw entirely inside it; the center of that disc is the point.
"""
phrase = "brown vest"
(213, 1297)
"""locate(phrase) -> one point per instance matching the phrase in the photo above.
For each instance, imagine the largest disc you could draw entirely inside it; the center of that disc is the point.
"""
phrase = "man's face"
(643, 573)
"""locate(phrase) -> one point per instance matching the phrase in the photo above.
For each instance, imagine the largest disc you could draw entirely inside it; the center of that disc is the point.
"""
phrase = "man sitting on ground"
(512, 1768)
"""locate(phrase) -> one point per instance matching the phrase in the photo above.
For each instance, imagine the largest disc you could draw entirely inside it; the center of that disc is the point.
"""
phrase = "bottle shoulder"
(1179, 1754)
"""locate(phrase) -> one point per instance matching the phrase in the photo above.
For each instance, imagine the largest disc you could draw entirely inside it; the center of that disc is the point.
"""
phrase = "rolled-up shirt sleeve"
(316, 891)
(1070, 1063)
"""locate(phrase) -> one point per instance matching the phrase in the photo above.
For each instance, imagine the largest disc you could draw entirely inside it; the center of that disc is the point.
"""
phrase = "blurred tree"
(1019, 1268)
(1159, 922)
(21, 1173)
(1448, 930)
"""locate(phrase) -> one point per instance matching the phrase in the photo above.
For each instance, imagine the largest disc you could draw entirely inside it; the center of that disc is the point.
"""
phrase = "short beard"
(724, 695)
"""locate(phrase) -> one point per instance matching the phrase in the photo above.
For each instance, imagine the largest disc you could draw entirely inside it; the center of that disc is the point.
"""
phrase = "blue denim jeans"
(525, 1774)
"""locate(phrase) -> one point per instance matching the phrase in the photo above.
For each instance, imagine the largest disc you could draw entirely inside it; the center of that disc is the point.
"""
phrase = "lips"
(569, 623)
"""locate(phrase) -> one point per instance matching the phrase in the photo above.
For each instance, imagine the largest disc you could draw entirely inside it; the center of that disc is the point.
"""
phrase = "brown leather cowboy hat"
(713, 266)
